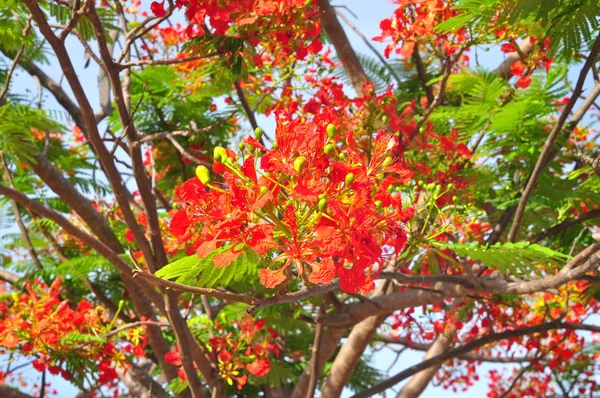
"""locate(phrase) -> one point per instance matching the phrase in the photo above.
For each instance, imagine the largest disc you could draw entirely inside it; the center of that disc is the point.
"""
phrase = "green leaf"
(202, 271)
(517, 259)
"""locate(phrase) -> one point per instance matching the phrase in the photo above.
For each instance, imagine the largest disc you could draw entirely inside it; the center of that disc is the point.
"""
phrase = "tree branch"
(342, 45)
(548, 146)
(468, 347)
(565, 225)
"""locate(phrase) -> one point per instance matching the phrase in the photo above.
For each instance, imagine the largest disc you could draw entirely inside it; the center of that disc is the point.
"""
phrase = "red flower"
(517, 69)
(260, 367)
(173, 358)
(508, 48)
(158, 9)
(524, 82)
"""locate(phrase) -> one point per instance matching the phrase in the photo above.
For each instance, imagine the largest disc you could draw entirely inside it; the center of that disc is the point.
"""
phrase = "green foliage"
(380, 74)
(16, 122)
(230, 49)
(84, 27)
(82, 266)
(364, 376)
(517, 259)
(571, 24)
(203, 272)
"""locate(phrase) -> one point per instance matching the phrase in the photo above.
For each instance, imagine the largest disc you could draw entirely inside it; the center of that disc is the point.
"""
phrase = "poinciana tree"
(161, 243)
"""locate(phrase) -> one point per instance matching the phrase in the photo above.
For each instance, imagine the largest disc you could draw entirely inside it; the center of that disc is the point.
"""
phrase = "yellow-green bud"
(390, 189)
(349, 179)
(241, 146)
(219, 154)
(450, 186)
(275, 145)
(387, 161)
(258, 133)
(329, 149)
(321, 196)
(384, 118)
(378, 203)
(322, 204)
(299, 163)
(420, 183)
(203, 174)
(174, 206)
(263, 190)
(331, 130)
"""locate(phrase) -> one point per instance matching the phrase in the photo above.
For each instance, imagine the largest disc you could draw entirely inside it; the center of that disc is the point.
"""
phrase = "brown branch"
(468, 347)
(565, 224)
(7, 391)
(103, 249)
(467, 357)
(171, 134)
(549, 144)
(175, 61)
(185, 153)
(368, 44)
(249, 113)
(503, 70)
(315, 352)
(354, 313)
(419, 382)
(422, 73)
(233, 297)
(438, 99)
(19, 219)
(329, 342)
(9, 277)
(133, 325)
(76, 14)
(10, 72)
(86, 116)
(342, 45)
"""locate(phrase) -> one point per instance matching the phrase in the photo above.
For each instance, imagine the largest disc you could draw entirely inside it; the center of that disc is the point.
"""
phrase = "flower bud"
(241, 146)
(321, 196)
(219, 154)
(263, 190)
(387, 161)
(322, 204)
(349, 179)
(203, 174)
(450, 186)
(329, 149)
(384, 118)
(331, 130)
(378, 203)
(258, 133)
(299, 163)
(275, 145)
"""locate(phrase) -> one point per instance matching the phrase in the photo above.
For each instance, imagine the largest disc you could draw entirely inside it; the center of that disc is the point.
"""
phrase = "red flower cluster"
(413, 22)
(316, 204)
(536, 59)
(38, 324)
(247, 346)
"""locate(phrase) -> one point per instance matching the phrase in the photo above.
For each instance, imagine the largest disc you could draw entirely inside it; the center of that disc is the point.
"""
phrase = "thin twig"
(314, 373)
(548, 146)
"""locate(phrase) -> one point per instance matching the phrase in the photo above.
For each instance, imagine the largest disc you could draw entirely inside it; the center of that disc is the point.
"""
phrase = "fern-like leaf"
(203, 272)
(517, 259)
